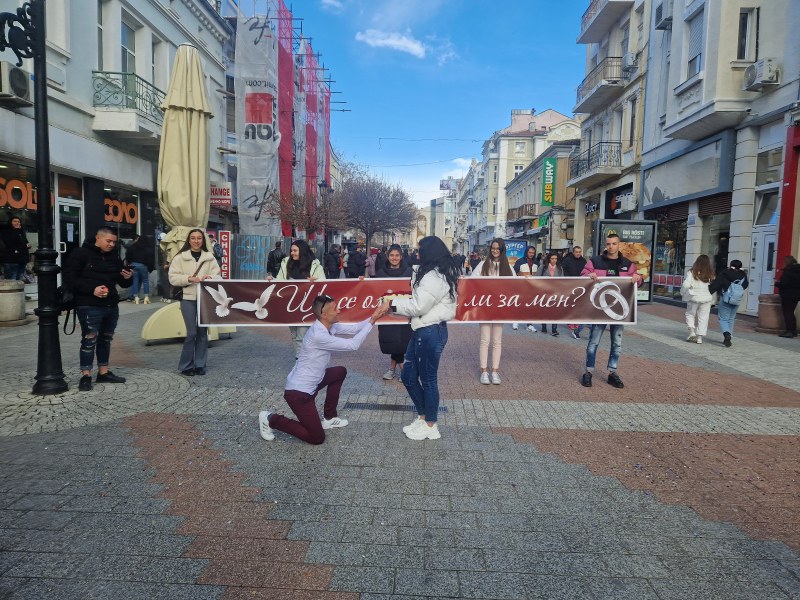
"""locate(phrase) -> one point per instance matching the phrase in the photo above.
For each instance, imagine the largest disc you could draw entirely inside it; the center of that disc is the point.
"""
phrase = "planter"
(770, 315)
(12, 303)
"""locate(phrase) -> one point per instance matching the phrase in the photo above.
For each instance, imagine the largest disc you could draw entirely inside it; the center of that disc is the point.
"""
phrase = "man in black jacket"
(15, 253)
(274, 259)
(332, 264)
(93, 272)
(572, 265)
(357, 265)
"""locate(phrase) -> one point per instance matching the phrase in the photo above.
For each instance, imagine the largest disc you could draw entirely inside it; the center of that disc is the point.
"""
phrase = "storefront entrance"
(763, 257)
(68, 228)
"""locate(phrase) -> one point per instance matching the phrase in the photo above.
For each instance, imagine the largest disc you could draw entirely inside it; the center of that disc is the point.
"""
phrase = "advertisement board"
(549, 166)
(515, 249)
(637, 244)
(220, 195)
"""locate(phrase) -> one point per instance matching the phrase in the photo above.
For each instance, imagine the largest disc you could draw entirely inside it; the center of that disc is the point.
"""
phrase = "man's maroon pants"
(308, 426)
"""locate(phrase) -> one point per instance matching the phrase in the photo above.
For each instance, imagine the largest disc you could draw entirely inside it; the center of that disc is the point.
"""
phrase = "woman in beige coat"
(193, 264)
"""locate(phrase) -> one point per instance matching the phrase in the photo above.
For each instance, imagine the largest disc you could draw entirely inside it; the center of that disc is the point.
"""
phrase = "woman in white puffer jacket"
(698, 298)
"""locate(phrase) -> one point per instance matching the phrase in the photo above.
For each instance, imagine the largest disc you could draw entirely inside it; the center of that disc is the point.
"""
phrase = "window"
(768, 166)
(766, 212)
(99, 35)
(518, 169)
(128, 64)
(632, 123)
(747, 42)
(625, 38)
(519, 148)
(695, 48)
(494, 206)
(494, 174)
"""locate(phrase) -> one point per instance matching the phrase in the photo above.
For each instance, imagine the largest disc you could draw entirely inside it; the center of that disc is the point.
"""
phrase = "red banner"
(285, 105)
(480, 299)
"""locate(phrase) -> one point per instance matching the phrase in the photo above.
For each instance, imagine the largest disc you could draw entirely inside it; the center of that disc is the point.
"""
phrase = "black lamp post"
(324, 192)
(24, 33)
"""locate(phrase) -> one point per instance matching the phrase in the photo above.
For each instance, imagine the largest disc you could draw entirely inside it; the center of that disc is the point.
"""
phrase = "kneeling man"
(311, 373)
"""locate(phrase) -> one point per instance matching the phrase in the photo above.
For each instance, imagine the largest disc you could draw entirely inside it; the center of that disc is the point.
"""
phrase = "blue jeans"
(97, 330)
(726, 314)
(14, 270)
(140, 277)
(421, 369)
(595, 333)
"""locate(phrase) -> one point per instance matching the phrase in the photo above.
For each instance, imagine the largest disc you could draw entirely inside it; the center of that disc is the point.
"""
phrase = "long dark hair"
(303, 264)
(186, 245)
(434, 256)
(504, 269)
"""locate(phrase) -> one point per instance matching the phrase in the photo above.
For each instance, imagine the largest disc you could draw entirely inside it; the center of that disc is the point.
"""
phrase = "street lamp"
(325, 190)
(24, 33)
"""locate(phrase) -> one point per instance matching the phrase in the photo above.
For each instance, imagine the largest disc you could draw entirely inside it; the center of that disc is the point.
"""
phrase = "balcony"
(520, 213)
(603, 83)
(600, 17)
(599, 163)
(127, 105)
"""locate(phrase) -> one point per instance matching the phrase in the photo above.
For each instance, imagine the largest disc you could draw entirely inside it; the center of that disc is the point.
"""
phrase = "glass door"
(69, 229)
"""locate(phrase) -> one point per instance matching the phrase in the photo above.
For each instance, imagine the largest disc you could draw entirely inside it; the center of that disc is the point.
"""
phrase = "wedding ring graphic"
(607, 296)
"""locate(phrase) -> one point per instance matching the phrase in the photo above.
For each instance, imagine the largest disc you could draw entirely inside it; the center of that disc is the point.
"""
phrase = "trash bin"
(770, 315)
(12, 303)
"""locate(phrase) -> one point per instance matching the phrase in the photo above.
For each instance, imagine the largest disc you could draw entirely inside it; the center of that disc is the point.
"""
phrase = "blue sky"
(413, 71)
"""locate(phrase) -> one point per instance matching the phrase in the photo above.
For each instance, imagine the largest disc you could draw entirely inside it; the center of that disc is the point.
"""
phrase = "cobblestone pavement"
(684, 484)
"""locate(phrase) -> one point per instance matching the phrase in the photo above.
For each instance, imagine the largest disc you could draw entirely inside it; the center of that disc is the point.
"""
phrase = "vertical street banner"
(224, 239)
(257, 135)
(285, 107)
(636, 243)
(299, 122)
(549, 166)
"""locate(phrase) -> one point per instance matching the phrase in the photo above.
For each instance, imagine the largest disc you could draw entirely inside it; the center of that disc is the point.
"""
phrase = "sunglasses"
(325, 300)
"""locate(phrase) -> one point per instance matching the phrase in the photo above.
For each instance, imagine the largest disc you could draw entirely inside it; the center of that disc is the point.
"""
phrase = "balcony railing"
(599, 17)
(526, 210)
(128, 91)
(609, 70)
(602, 154)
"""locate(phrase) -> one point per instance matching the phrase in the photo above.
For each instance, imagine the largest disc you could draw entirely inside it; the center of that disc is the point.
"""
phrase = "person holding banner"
(433, 302)
(526, 266)
(393, 339)
(495, 265)
(300, 264)
(193, 263)
(608, 264)
(551, 267)
(311, 374)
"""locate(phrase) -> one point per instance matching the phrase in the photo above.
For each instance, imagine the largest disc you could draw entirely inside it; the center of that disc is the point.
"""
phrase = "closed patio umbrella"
(183, 158)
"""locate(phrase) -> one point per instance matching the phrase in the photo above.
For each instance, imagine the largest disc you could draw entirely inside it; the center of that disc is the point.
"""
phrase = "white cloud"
(392, 40)
(332, 5)
(463, 163)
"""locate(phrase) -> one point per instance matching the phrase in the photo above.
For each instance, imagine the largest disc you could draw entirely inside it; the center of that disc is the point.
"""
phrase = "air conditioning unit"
(629, 62)
(664, 15)
(16, 85)
(762, 72)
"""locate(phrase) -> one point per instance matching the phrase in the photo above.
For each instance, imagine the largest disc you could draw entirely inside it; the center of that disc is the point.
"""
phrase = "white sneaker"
(699, 339)
(263, 425)
(515, 326)
(424, 433)
(532, 328)
(417, 422)
(389, 375)
(334, 422)
(495, 378)
(485, 378)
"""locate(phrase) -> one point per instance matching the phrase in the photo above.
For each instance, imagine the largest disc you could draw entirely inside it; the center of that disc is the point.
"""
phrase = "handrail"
(128, 90)
(609, 69)
(602, 154)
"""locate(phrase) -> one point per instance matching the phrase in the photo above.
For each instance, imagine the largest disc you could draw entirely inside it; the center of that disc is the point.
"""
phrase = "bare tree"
(373, 205)
(308, 213)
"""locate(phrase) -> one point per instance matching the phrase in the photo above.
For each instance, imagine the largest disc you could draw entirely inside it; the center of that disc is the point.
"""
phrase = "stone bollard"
(12, 303)
(770, 315)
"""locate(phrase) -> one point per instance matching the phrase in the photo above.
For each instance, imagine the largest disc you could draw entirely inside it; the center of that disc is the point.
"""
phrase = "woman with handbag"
(694, 292)
(300, 264)
(193, 263)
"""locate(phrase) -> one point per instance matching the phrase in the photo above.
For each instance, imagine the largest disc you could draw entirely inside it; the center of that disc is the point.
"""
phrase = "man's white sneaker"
(515, 326)
(263, 425)
(532, 328)
(424, 433)
(334, 422)
(495, 378)
(413, 425)
(485, 378)
(389, 375)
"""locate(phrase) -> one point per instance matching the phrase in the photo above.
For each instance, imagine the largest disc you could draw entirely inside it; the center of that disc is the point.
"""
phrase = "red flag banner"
(480, 299)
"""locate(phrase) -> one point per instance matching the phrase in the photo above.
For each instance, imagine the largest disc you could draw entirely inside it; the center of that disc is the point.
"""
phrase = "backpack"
(65, 300)
(734, 293)
(218, 253)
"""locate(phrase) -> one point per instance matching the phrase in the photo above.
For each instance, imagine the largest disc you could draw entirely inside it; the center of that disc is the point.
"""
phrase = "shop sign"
(17, 194)
(636, 243)
(224, 239)
(591, 207)
(118, 211)
(548, 181)
(220, 195)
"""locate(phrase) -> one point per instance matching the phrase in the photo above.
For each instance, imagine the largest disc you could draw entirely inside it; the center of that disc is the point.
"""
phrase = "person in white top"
(311, 373)
(698, 298)
(495, 265)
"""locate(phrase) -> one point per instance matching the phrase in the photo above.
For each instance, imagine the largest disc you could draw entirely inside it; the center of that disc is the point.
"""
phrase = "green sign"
(548, 181)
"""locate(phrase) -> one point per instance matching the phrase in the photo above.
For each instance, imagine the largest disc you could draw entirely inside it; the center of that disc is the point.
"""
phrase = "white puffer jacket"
(694, 290)
(430, 301)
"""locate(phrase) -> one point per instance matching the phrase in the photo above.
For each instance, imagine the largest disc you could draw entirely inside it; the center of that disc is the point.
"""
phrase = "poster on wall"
(636, 243)
(515, 249)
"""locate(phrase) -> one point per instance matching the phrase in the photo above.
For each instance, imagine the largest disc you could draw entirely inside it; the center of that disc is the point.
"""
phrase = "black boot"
(727, 340)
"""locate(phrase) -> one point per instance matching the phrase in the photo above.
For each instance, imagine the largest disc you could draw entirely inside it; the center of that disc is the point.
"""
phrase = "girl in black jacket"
(15, 254)
(393, 339)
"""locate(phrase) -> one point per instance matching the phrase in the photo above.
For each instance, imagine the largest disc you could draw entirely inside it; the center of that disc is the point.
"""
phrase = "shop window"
(716, 232)
(122, 212)
(670, 258)
(70, 187)
(768, 166)
(766, 210)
